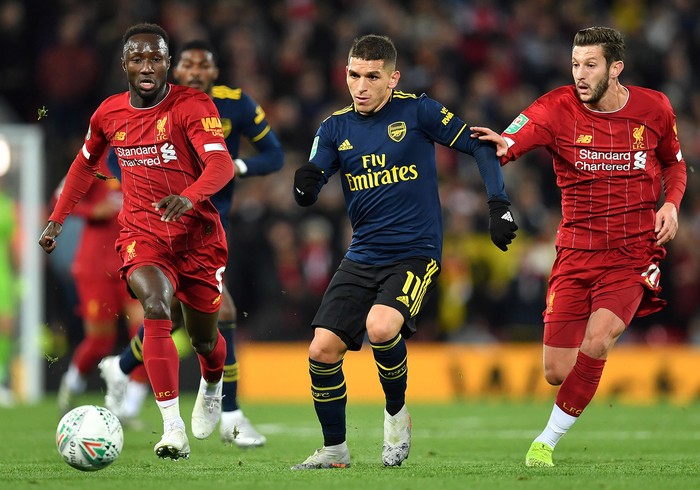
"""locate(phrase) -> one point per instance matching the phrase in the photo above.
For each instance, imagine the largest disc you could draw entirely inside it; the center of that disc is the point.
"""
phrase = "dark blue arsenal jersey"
(242, 116)
(386, 166)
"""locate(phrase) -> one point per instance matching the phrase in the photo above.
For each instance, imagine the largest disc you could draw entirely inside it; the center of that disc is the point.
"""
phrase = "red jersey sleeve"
(673, 167)
(528, 131)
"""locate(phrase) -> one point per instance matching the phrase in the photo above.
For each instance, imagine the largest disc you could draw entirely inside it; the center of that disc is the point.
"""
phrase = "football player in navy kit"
(383, 149)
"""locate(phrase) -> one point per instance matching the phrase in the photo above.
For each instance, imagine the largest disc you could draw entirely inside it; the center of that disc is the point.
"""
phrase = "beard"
(598, 91)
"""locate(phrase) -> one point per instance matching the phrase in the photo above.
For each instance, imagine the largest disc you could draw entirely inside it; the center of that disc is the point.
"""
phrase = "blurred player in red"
(616, 155)
(173, 157)
(103, 298)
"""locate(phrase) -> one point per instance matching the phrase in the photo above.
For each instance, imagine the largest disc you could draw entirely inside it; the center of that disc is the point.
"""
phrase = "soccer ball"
(89, 438)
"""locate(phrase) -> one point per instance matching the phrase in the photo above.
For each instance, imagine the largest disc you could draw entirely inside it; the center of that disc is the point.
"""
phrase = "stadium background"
(485, 61)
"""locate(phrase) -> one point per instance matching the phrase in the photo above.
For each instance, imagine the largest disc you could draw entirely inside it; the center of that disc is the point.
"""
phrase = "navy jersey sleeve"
(446, 128)
(324, 153)
(254, 126)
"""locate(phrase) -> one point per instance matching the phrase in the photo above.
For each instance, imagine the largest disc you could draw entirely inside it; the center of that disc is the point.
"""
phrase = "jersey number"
(415, 287)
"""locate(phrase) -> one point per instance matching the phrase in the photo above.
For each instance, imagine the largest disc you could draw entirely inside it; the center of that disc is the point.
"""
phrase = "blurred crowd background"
(485, 60)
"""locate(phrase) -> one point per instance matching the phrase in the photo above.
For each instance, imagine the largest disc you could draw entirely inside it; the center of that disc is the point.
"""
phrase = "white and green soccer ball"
(89, 438)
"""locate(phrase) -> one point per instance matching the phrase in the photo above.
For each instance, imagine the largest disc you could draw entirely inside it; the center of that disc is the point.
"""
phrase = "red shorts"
(197, 275)
(101, 299)
(623, 280)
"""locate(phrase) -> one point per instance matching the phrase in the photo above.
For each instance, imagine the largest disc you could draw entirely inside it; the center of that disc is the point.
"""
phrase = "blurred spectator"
(16, 64)
(67, 70)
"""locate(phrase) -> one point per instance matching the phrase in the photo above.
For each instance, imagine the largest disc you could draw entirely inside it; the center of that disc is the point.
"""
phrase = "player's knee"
(599, 346)
(383, 323)
(156, 309)
(378, 331)
(324, 353)
(554, 375)
(204, 346)
(596, 350)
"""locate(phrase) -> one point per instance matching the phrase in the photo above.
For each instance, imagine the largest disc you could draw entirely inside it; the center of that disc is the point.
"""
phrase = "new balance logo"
(345, 145)
(507, 216)
(403, 299)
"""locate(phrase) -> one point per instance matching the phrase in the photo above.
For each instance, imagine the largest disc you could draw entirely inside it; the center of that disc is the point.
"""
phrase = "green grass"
(459, 446)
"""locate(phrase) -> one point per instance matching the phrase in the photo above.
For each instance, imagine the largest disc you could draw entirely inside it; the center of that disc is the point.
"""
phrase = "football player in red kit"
(615, 154)
(173, 157)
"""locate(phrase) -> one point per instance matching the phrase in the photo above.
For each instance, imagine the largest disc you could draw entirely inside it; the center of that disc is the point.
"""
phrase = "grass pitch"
(474, 445)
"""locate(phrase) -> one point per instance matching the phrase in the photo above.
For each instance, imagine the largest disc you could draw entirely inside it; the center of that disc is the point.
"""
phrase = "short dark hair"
(612, 42)
(374, 47)
(202, 45)
(145, 28)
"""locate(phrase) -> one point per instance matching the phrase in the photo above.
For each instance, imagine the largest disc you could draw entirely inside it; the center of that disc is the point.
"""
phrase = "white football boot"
(327, 457)
(115, 381)
(207, 410)
(397, 437)
(237, 429)
(174, 443)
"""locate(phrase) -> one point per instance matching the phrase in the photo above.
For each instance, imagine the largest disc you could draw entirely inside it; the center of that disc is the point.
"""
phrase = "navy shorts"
(356, 287)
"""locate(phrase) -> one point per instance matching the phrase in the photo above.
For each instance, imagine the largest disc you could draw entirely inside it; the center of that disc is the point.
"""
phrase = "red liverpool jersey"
(161, 151)
(609, 165)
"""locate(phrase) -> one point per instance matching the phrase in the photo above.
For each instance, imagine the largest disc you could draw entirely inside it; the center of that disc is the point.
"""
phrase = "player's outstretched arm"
(488, 134)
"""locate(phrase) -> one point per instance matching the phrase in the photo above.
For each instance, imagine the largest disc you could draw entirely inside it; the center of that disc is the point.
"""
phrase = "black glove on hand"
(501, 224)
(307, 184)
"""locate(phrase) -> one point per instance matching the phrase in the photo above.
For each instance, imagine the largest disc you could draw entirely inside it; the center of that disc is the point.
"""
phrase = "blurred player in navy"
(173, 157)
(197, 67)
(616, 154)
(383, 149)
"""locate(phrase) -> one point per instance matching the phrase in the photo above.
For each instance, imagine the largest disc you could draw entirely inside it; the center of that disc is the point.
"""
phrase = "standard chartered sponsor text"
(586, 155)
(127, 152)
(592, 167)
(129, 156)
(615, 156)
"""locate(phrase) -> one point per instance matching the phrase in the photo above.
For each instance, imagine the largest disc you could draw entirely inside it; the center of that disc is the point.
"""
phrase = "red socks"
(139, 374)
(162, 362)
(580, 385)
(161, 359)
(91, 350)
(212, 366)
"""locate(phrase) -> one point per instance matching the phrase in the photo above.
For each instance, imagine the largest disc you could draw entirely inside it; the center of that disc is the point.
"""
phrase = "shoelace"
(172, 425)
(212, 402)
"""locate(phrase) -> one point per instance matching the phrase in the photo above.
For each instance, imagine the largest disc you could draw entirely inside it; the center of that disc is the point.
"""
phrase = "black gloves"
(308, 181)
(501, 224)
